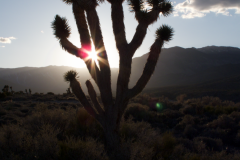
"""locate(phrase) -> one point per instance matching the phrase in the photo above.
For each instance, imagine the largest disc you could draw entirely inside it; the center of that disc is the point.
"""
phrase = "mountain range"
(176, 67)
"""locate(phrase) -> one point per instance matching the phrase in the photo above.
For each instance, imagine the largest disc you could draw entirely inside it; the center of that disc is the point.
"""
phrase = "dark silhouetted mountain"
(176, 67)
(226, 89)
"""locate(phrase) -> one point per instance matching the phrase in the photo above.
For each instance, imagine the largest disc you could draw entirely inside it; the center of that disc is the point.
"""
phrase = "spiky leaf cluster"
(61, 27)
(136, 5)
(118, 1)
(88, 4)
(164, 33)
(154, 2)
(166, 8)
(100, 1)
(70, 75)
(68, 1)
(142, 16)
(80, 1)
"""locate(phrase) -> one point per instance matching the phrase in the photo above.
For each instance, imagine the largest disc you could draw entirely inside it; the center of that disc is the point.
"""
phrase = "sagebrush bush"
(211, 144)
(181, 98)
(137, 110)
(188, 109)
(223, 121)
(33, 130)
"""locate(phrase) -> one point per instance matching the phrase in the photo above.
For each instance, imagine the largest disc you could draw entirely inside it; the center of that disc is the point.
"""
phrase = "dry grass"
(59, 128)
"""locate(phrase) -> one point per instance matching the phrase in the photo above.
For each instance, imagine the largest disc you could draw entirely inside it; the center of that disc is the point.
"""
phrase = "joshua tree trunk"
(109, 113)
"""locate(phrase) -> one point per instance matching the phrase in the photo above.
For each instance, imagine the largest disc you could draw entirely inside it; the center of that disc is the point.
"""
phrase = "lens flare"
(159, 106)
(93, 55)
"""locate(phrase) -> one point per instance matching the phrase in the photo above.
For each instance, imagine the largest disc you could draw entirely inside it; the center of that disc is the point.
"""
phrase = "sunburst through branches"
(94, 55)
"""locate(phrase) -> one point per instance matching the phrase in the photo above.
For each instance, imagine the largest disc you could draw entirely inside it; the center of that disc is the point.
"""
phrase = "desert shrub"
(211, 144)
(223, 121)
(216, 133)
(179, 151)
(2, 95)
(238, 138)
(130, 130)
(188, 109)
(138, 111)
(187, 119)
(83, 125)
(164, 146)
(192, 156)
(73, 148)
(46, 143)
(192, 100)
(142, 98)
(190, 131)
(235, 116)
(17, 143)
(144, 141)
(172, 113)
(219, 110)
(84, 118)
(50, 93)
(9, 105)
(209, 109)
(181, 98)
(228, 103)
(2, 111)
(71, 98)
(140, 151)
(58, 118)
(19, 113)
(223, 155)
(206, 100)
(215, 101)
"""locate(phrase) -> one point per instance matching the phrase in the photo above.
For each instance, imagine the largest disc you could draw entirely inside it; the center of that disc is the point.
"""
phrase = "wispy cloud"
(199, 8)
(42, 31)
(2, 46)
(6, 40)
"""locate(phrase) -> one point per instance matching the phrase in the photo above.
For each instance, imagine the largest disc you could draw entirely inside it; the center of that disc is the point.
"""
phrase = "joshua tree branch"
(81, 53)
(123, 77)
(141, 29)
(96, 34)
(138, 37)
(105, 79)
(82, 26)
(69, 47)
(93, 97)
(77, 90)
(154, 53)
(118, 25)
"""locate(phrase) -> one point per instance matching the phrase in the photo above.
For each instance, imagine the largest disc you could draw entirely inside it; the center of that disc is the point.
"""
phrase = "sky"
(27, 40)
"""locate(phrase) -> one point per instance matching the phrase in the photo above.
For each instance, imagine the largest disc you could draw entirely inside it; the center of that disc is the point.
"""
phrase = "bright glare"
(93, 55)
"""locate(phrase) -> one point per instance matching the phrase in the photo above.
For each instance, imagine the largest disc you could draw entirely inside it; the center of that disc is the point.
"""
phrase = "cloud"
(6, 40)
(199, 8)
(3, 46)
(42, 31)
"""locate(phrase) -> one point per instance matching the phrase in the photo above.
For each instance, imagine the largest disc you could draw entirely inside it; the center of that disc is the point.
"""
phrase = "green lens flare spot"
(159, 106)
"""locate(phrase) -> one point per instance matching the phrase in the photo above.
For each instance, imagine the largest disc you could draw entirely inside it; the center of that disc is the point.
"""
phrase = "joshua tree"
(26, 91)
(109, 113)
(5, 89)
(68, 91)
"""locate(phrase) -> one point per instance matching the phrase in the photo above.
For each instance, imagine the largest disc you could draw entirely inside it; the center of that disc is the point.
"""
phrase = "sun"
(93, 55)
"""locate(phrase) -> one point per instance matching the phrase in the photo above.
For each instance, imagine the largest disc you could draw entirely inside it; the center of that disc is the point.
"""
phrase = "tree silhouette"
(109, 113)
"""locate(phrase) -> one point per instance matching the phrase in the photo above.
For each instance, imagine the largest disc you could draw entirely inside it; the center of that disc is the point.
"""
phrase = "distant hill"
(176, 67)
(226, 89)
